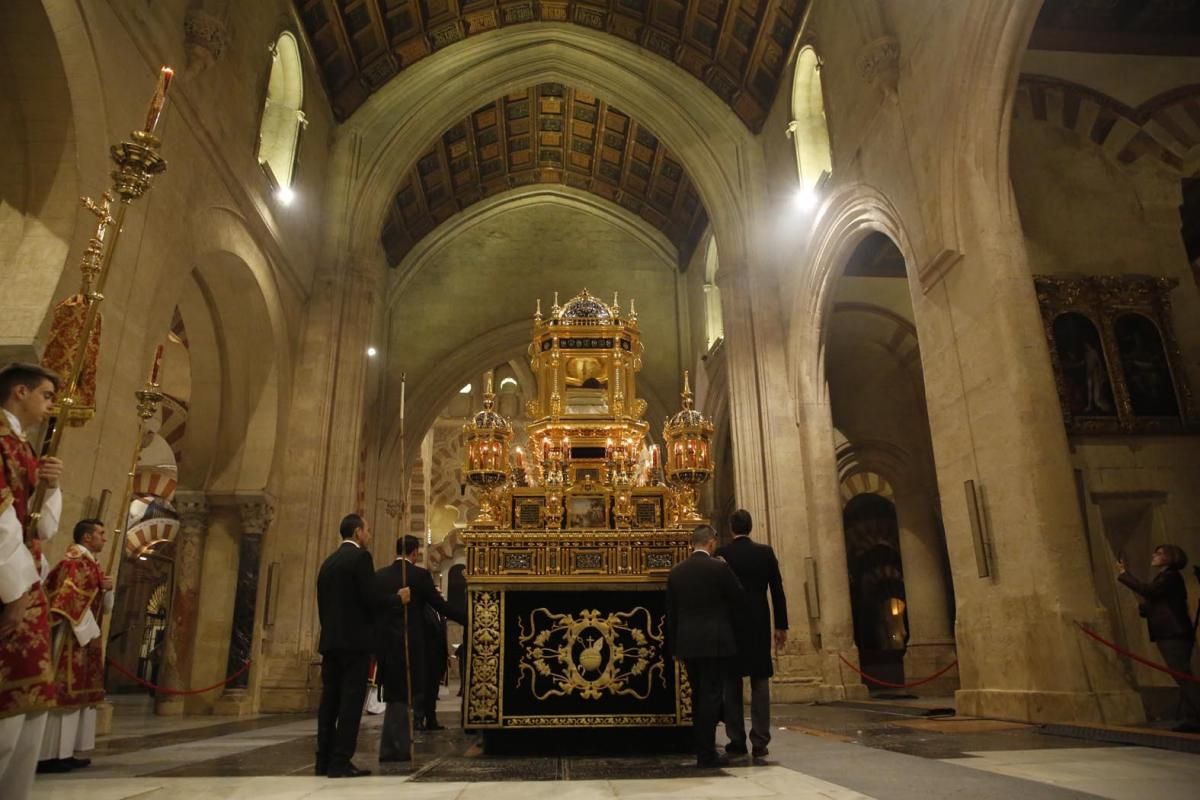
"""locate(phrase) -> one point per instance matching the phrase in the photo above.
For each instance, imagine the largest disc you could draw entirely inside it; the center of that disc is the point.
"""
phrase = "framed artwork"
(587, 511)
(529, 512)
(1116, 362)
(647, 511)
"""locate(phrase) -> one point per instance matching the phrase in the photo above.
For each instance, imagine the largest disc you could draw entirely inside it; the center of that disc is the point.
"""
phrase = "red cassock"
(26, 672)
(73, 587)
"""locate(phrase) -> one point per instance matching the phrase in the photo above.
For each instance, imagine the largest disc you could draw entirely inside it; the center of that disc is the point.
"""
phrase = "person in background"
(1165, 607)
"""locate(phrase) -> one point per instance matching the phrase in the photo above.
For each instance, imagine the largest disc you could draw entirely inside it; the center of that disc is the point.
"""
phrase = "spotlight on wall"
(806, 198)
(285, 195)
(372, 352)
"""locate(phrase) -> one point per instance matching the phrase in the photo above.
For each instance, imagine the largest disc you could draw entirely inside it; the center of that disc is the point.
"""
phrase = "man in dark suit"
(437, 653)
(347, 606)
(758, 570)
(703, 596)
(402, 642)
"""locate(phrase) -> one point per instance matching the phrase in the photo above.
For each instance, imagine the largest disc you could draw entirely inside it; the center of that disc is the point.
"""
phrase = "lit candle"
(520, 458)
(654, 457)
(608, 449)
(545, 450)
(159, 100)
(566, 447)
(156, 367)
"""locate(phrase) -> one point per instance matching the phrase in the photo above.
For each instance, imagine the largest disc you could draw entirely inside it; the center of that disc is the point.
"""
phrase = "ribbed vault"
(548, 134)
(738, 48)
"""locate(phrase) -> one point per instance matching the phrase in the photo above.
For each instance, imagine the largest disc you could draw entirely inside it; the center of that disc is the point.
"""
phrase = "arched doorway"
(876, 574)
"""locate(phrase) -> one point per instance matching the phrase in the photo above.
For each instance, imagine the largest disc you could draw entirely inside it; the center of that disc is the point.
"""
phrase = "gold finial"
(556, 309)
(687, 391)
(537, 315)
(489, 396)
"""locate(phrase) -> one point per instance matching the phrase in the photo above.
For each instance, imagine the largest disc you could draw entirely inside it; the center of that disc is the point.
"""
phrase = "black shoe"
(78, 763)
(736, 749)
(716, 762)
(395, 759)
(53, 766)
(434, 726)
(348, 771)
(760, 752)
(1187, 727)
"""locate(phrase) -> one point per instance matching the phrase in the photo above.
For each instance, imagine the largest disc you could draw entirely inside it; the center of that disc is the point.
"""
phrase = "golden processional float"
(568, 558)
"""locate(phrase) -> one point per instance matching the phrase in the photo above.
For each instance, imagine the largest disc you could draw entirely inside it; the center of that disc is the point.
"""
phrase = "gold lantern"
(486, 441)
(688, 464)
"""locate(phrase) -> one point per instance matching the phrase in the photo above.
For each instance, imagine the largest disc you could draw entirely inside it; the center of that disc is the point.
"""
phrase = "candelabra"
(486, 440)
(688, 439)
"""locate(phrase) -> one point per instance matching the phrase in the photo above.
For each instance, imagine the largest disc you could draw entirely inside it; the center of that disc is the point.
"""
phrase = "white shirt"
(18, 572)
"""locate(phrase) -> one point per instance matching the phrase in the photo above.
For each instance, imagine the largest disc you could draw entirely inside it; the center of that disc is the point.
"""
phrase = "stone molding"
(192, 507)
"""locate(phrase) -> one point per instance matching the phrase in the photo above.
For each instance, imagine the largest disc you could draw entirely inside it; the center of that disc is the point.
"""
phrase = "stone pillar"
(181, 628)
(318, 487)
(788, 482)
(930, 638)
(257, 513)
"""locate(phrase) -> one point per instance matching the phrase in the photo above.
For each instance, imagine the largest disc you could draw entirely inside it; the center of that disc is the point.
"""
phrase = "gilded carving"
(483, 677)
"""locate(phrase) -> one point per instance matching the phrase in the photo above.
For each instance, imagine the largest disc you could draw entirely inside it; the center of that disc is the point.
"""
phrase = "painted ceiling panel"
(548, 134)
(736, 47)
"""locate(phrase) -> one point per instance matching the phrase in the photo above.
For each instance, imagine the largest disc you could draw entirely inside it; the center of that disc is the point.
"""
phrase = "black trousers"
(343, 691)
(707, 677)
(1178, 655)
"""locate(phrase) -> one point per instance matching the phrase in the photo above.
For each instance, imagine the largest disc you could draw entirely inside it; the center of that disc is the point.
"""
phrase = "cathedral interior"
(931, 267)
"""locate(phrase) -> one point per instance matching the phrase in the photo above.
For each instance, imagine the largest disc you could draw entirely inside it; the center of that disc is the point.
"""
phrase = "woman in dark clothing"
(1165, 607)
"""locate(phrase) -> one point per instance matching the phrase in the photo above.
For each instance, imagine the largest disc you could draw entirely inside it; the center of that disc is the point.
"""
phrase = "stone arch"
(53, 129)
(238, 393)
(522, 197)
(808, 128)
(852, 213)
(1165, 129)
(282, 117)
(394, 125)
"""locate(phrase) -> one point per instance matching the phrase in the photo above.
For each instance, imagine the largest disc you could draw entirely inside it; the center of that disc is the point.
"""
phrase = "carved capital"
(192, 508)
(205, 37)
(880, 64)
(257, 513)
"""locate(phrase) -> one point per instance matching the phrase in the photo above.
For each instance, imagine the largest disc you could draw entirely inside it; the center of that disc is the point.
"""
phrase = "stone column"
(788, 482)
(179, 641)
(930, 639)
(257, 512)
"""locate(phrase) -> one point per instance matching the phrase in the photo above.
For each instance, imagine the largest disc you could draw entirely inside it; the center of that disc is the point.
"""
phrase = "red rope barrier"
(165, 690)
(1180, 676)
(912, 685)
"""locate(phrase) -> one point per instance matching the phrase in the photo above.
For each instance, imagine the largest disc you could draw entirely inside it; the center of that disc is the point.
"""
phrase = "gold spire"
(687, 391)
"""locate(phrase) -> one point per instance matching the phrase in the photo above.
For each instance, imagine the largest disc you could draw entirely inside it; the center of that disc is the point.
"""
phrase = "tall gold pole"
(137, 162)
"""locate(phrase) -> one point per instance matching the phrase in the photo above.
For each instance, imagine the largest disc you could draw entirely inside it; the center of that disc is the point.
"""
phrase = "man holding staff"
(80, 594)
(27, 393)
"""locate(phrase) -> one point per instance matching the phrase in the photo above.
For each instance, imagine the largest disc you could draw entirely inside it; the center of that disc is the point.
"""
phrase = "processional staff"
(137, 162)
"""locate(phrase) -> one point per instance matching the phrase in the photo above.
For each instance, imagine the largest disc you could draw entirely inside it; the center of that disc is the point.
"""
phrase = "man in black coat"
(1165, 607)
(703, 597)
(758, 570)
(437, 653)
(347, 607)
(402, 642)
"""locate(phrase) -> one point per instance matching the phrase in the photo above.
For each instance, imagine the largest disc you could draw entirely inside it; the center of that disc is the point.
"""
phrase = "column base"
(234, 703)
(922, 659)
(1111, 708)
(104, 718)
(814, 678)
(169, 706)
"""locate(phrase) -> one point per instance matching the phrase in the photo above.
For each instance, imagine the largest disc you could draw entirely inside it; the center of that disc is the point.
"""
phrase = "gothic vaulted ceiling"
(738, 48)
(547, 134)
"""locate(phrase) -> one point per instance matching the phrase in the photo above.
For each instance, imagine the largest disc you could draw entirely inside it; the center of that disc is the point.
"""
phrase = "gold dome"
(586, 307)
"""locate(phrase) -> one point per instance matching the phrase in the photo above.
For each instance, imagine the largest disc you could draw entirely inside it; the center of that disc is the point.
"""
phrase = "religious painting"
(1088, 389)
(587, 511)
(1147, 374)
(1116, 362)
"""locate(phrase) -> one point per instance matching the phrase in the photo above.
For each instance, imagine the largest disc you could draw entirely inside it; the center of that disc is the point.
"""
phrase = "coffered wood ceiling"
(1148, 27)
(738, 48)
(547, 134)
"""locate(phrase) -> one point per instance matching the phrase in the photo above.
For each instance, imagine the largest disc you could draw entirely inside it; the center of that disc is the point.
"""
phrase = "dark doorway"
(877, 598)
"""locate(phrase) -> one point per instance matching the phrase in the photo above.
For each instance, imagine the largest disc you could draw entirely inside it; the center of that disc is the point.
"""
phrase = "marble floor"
(835, 752)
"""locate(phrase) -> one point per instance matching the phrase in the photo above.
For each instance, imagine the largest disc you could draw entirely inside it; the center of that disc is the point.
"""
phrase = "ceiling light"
(285, 195)
(372, 352)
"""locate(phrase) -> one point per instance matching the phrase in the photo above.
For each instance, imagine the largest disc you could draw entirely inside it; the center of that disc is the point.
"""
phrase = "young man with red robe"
(80, 594)
(27, 393)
